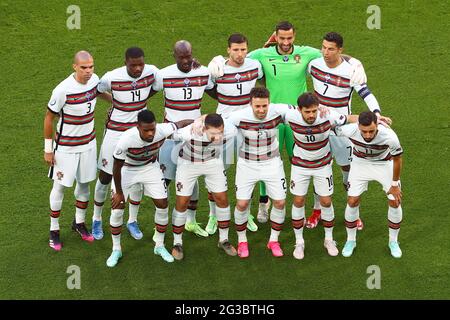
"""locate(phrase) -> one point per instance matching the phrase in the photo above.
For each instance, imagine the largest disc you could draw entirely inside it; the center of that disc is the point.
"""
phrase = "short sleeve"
(260, 70)
(183, 134)
(104, 84)
(57, 100)
(167, 128)
(346, 130)
(233, 119)
(158, 84)
(210, 84)
(336, 118)
(394, 145)
(120, 151)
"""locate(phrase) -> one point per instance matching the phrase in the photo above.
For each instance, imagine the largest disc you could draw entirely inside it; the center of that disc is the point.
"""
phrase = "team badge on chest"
(187, 82)
(237, 77)
(285, 58)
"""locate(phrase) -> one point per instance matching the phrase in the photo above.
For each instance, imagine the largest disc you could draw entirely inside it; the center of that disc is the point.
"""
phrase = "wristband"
(48, 145)
(395, 183)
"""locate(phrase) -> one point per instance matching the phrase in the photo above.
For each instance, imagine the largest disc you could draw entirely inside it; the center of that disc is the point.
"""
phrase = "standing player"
(72, 156)
(130, 87)
(284, 66)
(312, 159)
(259, 160)
(136, 167)
(233, 93)
(331, 75)
(377, 156)
(201, 155)
(184, 86)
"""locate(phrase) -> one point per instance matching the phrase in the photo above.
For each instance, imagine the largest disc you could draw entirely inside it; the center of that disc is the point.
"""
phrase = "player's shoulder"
(202, 71)
(169, 70)
(65, 84)
(386, 132)
(305, 49)
(150, 68)
(318, 62)
(251, 63)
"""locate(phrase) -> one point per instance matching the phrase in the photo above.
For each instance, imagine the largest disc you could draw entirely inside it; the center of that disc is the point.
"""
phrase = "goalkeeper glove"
(216, 66)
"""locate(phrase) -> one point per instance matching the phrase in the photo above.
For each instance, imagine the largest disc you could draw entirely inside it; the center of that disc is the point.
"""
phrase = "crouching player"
(377, 156)
(199, 156)
(313, 159)
(136, 166)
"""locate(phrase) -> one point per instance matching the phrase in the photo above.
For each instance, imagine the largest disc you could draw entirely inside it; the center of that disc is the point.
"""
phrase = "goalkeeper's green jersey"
(285, 74)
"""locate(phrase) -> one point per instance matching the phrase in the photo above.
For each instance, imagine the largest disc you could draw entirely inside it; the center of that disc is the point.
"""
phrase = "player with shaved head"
(72, 155)
(184, 84)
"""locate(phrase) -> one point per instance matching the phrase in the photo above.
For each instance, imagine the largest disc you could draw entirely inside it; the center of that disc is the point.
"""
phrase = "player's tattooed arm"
(118, 199)
(50, 117)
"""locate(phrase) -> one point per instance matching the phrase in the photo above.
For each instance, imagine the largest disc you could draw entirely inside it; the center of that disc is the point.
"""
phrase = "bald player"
(72, 155)
(184, 84)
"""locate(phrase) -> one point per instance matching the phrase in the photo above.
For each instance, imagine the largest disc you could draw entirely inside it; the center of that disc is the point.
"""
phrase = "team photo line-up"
(252, 124)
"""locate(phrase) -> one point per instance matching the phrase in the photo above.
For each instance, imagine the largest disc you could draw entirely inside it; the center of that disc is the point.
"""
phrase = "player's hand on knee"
(358, 74)
(216, 66)
(395, 194)
(118, 201)
(49, 158)
(272, 41)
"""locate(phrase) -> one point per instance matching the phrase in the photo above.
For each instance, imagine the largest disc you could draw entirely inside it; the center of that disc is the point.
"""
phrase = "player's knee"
(299, 201)
(82, 192)
(221, 200)
(353, 201)
(210, 196)
(161, 203)
(242, 205)
(325, 201)
(279, 204)
(192, 205)
(345, 168)
(104, 177)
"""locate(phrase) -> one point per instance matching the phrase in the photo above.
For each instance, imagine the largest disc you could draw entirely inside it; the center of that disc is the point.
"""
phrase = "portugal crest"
(179, 186)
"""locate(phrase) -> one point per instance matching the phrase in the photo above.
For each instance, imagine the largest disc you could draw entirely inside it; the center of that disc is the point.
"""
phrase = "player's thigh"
(274, 178)
(168, 158)
(323, 181)
(87, 170)
(215, 177)
(358, 178)
(65, 169)
(341, 148)
(247, 175)
(300, 179)
(105, 157)
(154, 184)
(186, 178)
(383, 173)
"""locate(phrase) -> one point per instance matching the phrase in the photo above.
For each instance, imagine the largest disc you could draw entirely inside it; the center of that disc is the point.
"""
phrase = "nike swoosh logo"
(272, 59)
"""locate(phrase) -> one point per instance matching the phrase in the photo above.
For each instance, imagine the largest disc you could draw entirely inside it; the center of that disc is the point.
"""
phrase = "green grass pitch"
(407, 66)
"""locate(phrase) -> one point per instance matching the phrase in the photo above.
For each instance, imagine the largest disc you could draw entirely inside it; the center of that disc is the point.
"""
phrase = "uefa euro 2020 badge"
(297, 58)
